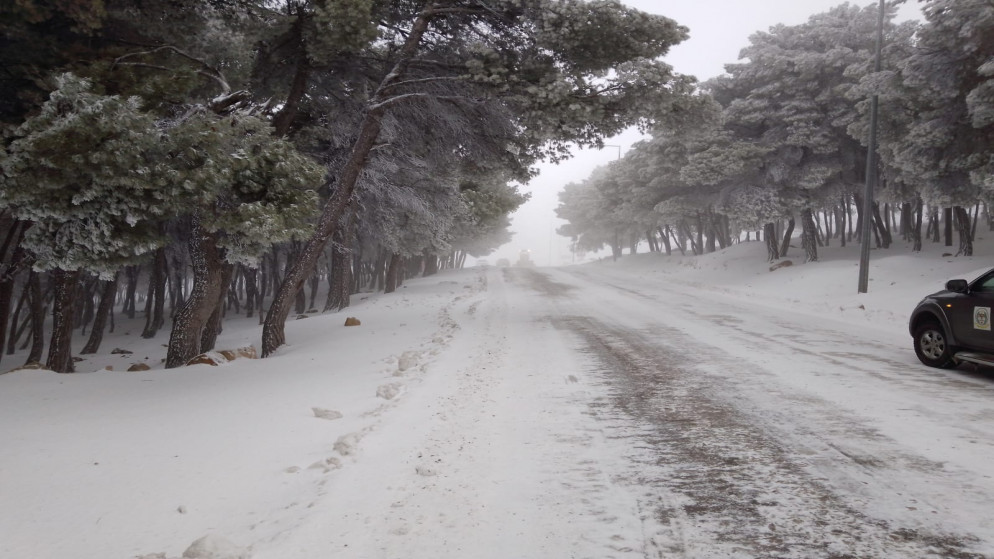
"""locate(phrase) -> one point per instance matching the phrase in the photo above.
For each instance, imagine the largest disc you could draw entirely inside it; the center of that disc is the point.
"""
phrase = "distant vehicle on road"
(954, 325)
(503, 263)
(482, 263)
(525, 258)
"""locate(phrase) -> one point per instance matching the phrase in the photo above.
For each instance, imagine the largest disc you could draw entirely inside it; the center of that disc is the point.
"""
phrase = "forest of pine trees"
(781, 138)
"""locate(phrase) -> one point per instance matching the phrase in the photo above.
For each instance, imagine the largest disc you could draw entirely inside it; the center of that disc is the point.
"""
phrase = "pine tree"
(84, 171)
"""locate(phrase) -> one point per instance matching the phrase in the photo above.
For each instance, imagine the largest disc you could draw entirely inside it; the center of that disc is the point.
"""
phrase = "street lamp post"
(871, 168)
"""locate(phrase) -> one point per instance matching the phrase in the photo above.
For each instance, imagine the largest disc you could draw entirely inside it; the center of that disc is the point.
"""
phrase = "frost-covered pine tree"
(85, 172)
(243, 188)
(790, 97)
(949, 145)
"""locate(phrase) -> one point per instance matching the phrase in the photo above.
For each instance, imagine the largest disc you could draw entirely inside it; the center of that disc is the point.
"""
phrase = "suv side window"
(985, 284)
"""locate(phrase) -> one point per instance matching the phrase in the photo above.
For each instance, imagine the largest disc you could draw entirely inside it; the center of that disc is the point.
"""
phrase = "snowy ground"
(651, 407)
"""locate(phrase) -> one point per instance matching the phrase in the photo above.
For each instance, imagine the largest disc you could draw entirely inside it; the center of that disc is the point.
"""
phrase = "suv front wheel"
(931, 346)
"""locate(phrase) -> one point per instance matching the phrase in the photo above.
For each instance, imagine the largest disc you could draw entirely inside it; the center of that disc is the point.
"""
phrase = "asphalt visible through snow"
(754, 432)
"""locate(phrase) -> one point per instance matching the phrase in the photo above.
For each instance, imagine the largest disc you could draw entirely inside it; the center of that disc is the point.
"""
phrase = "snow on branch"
(406, 96)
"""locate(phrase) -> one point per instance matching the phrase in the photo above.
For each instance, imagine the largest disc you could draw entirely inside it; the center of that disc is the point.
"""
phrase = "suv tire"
(932, 347)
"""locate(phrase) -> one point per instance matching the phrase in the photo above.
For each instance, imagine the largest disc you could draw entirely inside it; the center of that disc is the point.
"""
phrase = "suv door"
(972, 315)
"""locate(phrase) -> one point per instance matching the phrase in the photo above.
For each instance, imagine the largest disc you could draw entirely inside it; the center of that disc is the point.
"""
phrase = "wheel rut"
(719, 482)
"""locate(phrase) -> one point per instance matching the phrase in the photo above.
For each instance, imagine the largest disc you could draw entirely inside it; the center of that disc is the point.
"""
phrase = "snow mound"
(215, 547)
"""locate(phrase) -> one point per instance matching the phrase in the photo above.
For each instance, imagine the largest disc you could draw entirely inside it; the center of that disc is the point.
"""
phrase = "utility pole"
(871, 167)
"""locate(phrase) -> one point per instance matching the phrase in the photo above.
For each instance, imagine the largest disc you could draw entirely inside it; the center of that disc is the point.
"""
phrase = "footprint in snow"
(389, 391)
(346, 445)
(322, 413)
(408, 360)
(326, 465)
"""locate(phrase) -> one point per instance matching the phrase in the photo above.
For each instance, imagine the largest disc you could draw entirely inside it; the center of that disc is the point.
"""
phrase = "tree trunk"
(107, 296)
(129, 297)
(948, 217)
(881, 227)
(6, 298)
(393, 269)
(36, 303)
(274, 331)
(65, 286)
(339, 276)
(212, 329)
(251, 290)
(847, 221)
(298, 87)
(356, 277)
(15, 332)
(700, 235)
(976, 219)
(785, 246)
(86, 310)
(401, 266)
(916, 229)
(932, 233)
(772, 247)
(378, 280)
(905, 221)
(431, 264)
(315, 283)
(820, 235)
(155, 307)
(189, 322)
(722, 231)
(11, 260)
(964, 230)
(664, 235)
(178, 281)
(711, 232)
(809, 236)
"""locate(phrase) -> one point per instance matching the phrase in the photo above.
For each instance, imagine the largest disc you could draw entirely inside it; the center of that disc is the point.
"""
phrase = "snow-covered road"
(495, 413)
(592, 416)
(759, 432)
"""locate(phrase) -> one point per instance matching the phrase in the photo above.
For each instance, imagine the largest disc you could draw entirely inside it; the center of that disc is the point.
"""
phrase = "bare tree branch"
(206, 69)
(422, 81)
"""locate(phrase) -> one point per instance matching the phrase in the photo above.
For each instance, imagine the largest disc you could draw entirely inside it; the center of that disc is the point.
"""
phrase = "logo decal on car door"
(982, 318)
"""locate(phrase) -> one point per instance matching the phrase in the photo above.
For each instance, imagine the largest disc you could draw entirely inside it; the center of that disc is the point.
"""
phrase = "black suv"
(954, 325)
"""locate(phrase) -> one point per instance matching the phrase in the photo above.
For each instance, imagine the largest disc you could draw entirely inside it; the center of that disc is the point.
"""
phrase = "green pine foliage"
(249, 187)
(98, 177)
(85, 171)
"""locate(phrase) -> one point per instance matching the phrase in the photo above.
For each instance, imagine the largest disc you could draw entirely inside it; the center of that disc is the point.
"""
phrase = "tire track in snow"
(722, 485)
